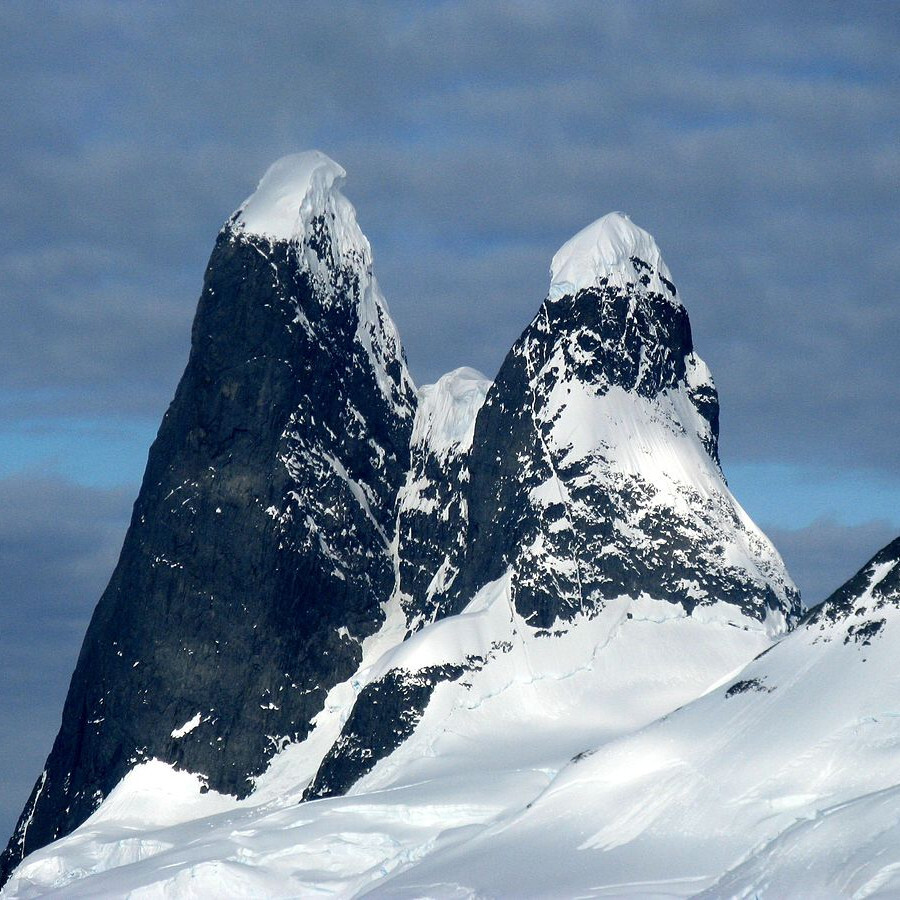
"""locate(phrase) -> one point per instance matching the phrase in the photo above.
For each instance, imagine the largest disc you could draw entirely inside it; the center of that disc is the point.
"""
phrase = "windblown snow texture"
(258, 554)
(780, 779)
(781, 782)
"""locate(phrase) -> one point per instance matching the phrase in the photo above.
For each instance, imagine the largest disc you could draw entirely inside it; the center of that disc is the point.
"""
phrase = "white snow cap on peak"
(446, 414)
(294, 190)
(605, 250)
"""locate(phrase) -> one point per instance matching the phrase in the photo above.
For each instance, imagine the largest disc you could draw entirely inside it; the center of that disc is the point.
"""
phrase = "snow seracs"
(611, 250)
(296, 189)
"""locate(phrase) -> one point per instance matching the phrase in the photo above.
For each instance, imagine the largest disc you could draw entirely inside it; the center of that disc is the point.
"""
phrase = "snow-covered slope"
(478, 756)
(782, 781)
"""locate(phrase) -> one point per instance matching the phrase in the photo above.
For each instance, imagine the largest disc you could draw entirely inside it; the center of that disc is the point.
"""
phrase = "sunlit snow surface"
(558, 773)
(605, 249)
(484, 750)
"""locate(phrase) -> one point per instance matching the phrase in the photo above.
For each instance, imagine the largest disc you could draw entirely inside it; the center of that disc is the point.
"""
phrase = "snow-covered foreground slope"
(485, 748)
(782, 781)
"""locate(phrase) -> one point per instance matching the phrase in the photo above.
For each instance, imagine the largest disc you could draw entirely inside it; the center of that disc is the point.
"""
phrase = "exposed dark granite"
(251, 570)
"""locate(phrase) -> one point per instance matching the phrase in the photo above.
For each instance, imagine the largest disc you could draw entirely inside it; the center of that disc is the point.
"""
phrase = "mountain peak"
(611, 248)
(294, 190)
(447, 410)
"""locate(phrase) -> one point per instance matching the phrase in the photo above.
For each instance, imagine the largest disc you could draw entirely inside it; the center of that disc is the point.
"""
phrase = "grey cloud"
(825, 554)
(758, 145)
(58, 545)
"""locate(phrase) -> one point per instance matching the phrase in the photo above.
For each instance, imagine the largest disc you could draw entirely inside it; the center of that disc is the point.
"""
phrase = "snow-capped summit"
(594, 465)
(299, 206)
(258, 557)
(447, 410)
(612, 250)
(295, 190)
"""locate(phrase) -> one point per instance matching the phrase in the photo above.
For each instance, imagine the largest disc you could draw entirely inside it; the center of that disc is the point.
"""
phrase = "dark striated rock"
(857, 605)
(432, 513)
(594, 470)
(258, 554)
(385, 715)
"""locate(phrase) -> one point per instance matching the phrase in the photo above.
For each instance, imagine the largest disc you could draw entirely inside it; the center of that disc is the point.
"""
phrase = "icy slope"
(782, 782)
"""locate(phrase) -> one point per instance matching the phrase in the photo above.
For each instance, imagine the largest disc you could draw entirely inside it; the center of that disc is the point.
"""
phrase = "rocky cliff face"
(433, 511)
(594, 468)
(857, 611)
(317, 552)
(258, 556)
(592, 475)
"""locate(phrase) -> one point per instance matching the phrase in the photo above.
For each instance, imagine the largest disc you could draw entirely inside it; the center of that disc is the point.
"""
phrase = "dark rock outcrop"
(858, 605)
(594, 469)
(593, 473)
(258, 555)
(432, 513)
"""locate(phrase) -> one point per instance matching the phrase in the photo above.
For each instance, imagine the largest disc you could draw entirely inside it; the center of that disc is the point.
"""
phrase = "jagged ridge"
(258, 556)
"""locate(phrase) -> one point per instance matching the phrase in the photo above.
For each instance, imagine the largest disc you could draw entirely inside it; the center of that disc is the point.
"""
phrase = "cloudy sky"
(757, 142)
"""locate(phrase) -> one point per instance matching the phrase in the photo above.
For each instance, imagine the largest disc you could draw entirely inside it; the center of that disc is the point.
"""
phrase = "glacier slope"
(478, 758)
(781, 782)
